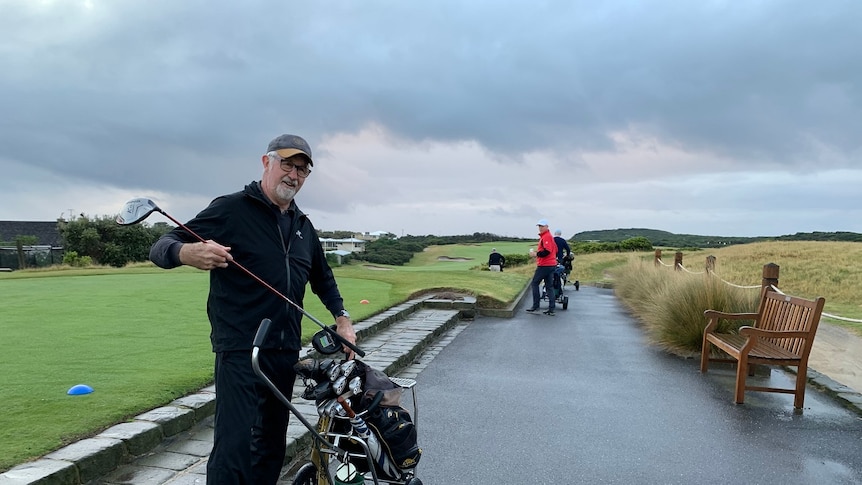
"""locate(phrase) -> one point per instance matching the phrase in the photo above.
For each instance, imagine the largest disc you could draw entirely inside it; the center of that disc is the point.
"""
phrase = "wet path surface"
(583, 398)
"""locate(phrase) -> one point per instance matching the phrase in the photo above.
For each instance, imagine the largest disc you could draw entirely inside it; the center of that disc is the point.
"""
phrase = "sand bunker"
(376, 268)
(447, 258)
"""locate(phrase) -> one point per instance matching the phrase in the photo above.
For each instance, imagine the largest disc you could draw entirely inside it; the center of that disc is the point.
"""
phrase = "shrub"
(71, 258)
(334, 260)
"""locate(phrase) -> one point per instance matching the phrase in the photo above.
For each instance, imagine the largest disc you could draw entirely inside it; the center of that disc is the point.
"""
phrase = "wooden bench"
(782, 334)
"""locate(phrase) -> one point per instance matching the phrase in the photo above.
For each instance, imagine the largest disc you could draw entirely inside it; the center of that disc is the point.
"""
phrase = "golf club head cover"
(319, 392)
(316, 370)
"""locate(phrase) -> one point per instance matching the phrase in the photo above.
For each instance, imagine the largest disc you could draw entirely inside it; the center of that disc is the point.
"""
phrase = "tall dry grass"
(670, 304)
(808, 269)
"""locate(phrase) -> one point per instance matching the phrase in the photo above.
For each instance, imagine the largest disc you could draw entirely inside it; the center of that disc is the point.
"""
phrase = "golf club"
(136, 210)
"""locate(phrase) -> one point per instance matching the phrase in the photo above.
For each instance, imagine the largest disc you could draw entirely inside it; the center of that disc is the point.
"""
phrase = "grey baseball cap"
(290, 145)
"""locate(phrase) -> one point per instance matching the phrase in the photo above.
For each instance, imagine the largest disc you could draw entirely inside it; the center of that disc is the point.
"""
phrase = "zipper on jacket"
(286, 250)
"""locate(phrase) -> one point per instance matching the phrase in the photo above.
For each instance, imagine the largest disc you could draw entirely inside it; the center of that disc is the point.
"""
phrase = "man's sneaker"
(549, 313)
(531, 310)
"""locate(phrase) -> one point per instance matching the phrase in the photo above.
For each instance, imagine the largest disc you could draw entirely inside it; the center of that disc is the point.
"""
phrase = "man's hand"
(344, 327)
(205, 256)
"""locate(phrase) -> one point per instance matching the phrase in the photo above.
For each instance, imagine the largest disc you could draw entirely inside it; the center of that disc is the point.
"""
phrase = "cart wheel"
(413, 481)
(565, 302)
(306, 475)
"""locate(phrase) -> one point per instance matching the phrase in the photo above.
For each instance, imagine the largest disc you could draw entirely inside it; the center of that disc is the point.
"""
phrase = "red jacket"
(546, 242)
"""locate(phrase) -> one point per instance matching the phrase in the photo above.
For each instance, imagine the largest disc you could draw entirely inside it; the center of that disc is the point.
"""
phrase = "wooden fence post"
(710, 264)
(677, 261)
(770, 277)
(657, 257)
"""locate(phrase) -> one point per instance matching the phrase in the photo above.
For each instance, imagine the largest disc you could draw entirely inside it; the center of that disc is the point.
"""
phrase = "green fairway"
(139, 336)
(138, 339)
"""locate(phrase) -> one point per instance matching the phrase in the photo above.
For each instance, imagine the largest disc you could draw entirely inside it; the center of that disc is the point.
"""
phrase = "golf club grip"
(343, 341)
(346, 405)
(262, 330)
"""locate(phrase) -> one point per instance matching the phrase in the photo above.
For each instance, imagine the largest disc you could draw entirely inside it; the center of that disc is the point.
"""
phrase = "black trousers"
(546, 274)
(250, 421)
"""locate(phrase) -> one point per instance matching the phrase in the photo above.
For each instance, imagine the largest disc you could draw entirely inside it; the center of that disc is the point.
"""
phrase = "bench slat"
(763, 350)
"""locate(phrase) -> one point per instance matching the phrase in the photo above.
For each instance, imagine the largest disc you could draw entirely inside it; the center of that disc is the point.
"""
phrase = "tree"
(639, 243)
(106, 242)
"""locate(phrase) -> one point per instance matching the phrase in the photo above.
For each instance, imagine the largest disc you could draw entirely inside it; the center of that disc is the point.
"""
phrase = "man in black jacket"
(563, 249)
(264, 230)
(496, 260)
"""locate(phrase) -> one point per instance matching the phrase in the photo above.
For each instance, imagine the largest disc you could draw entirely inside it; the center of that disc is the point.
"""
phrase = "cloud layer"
(716, 118)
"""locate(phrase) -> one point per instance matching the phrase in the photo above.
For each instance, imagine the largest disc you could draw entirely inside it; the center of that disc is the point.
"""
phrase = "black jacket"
(283, 251)
(563, 248)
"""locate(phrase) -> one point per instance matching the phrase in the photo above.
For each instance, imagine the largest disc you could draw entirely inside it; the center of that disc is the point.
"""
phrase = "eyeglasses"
(288, 166)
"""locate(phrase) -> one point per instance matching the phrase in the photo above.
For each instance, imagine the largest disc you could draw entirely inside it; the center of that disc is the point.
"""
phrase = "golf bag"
(375, 399)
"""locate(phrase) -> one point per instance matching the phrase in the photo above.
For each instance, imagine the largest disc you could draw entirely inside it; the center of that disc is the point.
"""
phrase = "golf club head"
(355, 385)
(348, 367)
(339, 384)
(136, 210)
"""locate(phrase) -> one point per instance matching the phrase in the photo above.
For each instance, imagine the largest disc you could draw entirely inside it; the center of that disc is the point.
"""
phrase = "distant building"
(45, 251)
(351, 245)
(46, 232)
(372, 236)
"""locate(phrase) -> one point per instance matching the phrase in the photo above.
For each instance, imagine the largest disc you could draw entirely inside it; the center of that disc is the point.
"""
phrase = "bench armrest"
(714, 316)
(760, 333)
(729, 316)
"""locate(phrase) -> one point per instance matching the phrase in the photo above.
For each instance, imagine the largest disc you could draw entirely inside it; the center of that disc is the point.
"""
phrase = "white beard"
(285, 193)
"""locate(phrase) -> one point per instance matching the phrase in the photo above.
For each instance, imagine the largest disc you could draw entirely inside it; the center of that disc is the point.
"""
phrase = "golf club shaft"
(284, 297)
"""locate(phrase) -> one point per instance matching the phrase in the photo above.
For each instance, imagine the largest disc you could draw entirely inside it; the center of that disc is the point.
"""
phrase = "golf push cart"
(362, 432)
(561, 278)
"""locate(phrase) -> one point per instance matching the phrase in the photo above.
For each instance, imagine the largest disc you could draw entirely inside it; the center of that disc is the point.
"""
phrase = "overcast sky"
(728, 118)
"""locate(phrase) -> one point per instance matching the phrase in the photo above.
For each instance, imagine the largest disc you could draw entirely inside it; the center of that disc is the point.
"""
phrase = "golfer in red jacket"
(546, 263)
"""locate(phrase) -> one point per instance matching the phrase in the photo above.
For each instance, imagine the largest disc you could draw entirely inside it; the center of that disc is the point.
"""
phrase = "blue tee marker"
(79, 390)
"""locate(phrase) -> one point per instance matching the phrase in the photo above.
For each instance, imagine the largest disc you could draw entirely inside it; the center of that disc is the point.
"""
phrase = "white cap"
(542, 222)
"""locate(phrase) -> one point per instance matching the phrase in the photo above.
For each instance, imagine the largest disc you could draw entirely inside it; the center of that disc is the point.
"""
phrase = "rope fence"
(770, 278)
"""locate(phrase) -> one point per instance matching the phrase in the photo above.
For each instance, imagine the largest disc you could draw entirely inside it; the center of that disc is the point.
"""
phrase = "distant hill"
(669, 239)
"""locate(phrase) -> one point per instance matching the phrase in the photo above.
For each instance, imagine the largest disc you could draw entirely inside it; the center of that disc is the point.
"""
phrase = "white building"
(351, 245)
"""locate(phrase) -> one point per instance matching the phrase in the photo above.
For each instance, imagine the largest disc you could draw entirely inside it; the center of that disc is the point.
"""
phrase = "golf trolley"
(561, 278)
(559, 297)
(567, 270)
(346, 447)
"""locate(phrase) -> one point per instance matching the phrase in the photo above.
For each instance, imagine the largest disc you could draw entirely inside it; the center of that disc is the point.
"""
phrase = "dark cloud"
(183, 96)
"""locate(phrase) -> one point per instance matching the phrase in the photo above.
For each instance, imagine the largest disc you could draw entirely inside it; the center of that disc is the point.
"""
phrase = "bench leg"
(801, 381)
(704, 359)
(741, 373)
(704, 354)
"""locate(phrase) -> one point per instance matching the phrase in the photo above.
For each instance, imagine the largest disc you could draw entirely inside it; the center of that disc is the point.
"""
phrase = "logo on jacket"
(299, 234)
